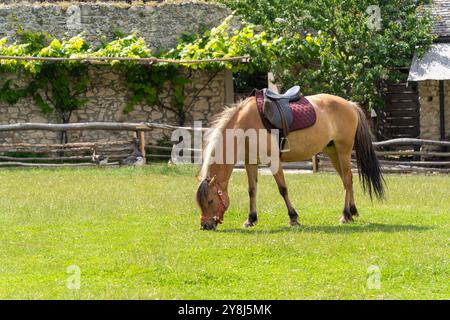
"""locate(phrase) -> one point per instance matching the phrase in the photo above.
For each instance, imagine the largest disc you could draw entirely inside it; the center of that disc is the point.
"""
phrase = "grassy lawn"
(134, 233)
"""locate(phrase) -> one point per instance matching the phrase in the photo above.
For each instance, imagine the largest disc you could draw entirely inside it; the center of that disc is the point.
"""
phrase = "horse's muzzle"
(208, 225)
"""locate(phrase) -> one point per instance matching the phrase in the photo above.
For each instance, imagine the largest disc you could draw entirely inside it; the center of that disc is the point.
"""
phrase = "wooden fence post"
(141, 137)
(315, 163)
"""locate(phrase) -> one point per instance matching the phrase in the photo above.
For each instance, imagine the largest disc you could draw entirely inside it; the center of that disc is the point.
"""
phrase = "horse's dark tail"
(368, 166)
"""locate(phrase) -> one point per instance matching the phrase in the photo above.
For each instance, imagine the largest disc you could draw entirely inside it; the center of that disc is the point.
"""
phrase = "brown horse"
(340, 125)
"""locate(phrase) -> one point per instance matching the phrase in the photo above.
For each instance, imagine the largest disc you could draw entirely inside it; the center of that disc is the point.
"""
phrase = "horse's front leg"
(279, 178)
(252, 176)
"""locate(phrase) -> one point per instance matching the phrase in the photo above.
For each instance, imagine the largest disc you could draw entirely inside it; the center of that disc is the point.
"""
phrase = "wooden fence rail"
(393, 161)
(108, 60)
(64, 152)
(108, 126)
(390, 160)
(410, 141)
(64, 145)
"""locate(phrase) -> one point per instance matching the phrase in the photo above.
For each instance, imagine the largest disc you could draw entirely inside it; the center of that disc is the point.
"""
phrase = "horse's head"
(213, 202)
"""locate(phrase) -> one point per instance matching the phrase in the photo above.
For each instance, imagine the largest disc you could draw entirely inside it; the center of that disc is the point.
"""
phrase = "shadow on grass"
(350, 228)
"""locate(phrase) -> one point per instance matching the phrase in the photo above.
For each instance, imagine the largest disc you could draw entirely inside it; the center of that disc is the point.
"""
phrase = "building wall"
(107, 97)
(160, 24)
(429, 109)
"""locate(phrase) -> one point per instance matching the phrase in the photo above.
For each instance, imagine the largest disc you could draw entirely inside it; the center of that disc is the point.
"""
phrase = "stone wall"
(429, 110)
(106, 100)
(160, 24)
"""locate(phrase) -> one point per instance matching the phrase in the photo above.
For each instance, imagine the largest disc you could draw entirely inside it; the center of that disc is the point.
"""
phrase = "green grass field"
(134, 233)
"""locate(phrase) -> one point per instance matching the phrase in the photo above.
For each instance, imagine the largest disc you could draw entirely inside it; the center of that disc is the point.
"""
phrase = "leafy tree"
(338, 46)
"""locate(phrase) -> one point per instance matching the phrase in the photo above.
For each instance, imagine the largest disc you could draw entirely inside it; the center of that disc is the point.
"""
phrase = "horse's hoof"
(354, 211)
(249, 224)
(345, 219)
(294, 223)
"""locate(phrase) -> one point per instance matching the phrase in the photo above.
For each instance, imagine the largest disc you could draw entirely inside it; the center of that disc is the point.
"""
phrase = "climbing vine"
(54, 87)
(59, 87)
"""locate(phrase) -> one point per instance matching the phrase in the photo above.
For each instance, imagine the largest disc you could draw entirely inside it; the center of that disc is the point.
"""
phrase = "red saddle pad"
(304, 114)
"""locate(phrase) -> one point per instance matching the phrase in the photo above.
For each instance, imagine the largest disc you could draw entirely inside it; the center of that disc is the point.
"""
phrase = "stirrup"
(283, 145)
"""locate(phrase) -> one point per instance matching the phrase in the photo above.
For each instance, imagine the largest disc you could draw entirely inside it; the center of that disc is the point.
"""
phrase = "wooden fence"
(80, 154)
(411, 158)
(406, 160)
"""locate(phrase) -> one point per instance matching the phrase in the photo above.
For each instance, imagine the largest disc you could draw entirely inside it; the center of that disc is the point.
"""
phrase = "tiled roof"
(434, 65)
(441, 14)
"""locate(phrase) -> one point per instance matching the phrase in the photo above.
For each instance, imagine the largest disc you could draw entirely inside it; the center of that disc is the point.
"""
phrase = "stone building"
(160, 24)
(432, 74)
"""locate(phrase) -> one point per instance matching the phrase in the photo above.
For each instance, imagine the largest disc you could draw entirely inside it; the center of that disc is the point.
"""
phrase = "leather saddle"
(277, 111)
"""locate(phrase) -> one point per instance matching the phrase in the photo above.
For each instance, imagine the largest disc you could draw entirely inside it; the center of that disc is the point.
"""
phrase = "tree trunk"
(181, 118)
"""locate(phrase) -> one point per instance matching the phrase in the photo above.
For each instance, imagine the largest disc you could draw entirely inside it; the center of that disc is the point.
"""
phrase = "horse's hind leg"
(345, 155)
(350, 206)
(332, 154)
(282, 188)
(252, 176)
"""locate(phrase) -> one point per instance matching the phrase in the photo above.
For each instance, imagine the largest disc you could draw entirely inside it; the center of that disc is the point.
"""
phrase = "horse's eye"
(210, 202)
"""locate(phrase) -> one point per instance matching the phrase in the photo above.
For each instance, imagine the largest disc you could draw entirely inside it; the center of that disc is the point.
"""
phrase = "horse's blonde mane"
(218, 124)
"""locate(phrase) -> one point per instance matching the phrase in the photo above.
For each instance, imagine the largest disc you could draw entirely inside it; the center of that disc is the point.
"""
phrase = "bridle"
(222, 205)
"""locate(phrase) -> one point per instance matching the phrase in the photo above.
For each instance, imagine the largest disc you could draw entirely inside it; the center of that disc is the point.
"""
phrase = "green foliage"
(224, 42)
(34, 41)
(130, 46)
(59, 86)
(325, 46)
(12, 50)
(62, 87)
(11, 95)
(148, 83)
(330, 46)
(145, 82)
(53, 87)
